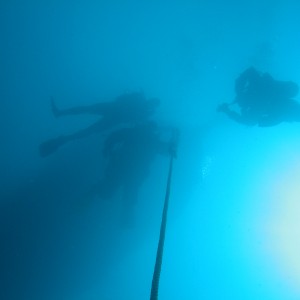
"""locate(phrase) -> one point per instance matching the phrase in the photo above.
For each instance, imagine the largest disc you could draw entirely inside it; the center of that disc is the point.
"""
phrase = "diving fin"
(50, 146)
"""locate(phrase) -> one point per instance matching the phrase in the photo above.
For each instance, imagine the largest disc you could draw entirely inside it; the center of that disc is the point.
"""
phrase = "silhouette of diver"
(262, 100)
(128, 108)
(130, 153)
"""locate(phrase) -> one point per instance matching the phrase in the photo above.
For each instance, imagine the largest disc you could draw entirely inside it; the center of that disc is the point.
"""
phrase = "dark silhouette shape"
(162, 234)
(128, 108)
(262, 100)
(130, 153)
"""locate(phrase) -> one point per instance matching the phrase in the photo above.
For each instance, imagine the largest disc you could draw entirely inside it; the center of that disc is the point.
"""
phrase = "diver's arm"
(235, 116)
(97, 109)
(240, 118)
(98, 127)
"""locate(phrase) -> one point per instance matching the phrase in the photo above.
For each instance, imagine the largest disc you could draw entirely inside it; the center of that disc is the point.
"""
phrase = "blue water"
(233, 224)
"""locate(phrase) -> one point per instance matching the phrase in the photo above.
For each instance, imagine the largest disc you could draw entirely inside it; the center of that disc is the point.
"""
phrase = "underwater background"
(233, 223)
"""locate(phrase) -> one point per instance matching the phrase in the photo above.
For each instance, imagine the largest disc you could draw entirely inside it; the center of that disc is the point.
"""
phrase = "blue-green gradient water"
(233, 223)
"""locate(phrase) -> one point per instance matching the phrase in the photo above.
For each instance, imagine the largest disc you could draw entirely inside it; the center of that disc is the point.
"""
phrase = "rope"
(160, 248)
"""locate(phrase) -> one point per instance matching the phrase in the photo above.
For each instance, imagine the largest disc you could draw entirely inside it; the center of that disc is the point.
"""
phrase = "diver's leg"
(98, 127)
(243, 118)
(50, 146)
(95, 109)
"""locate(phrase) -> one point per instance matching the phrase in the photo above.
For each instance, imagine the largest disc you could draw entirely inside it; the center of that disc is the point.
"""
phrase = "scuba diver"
(128, 108)
(130, 153)
(262, 100)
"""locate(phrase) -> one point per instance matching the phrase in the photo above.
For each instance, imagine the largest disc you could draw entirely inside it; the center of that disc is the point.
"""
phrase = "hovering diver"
(129, 108)
(262, 100)
(130, 153)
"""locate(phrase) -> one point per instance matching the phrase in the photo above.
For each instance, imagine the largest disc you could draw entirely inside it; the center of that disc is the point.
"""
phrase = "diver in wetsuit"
(130, 153)
(129, 108)
(261, 100)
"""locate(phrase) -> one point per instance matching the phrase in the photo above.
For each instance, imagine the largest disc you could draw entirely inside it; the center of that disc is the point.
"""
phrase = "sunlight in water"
(284, 223)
